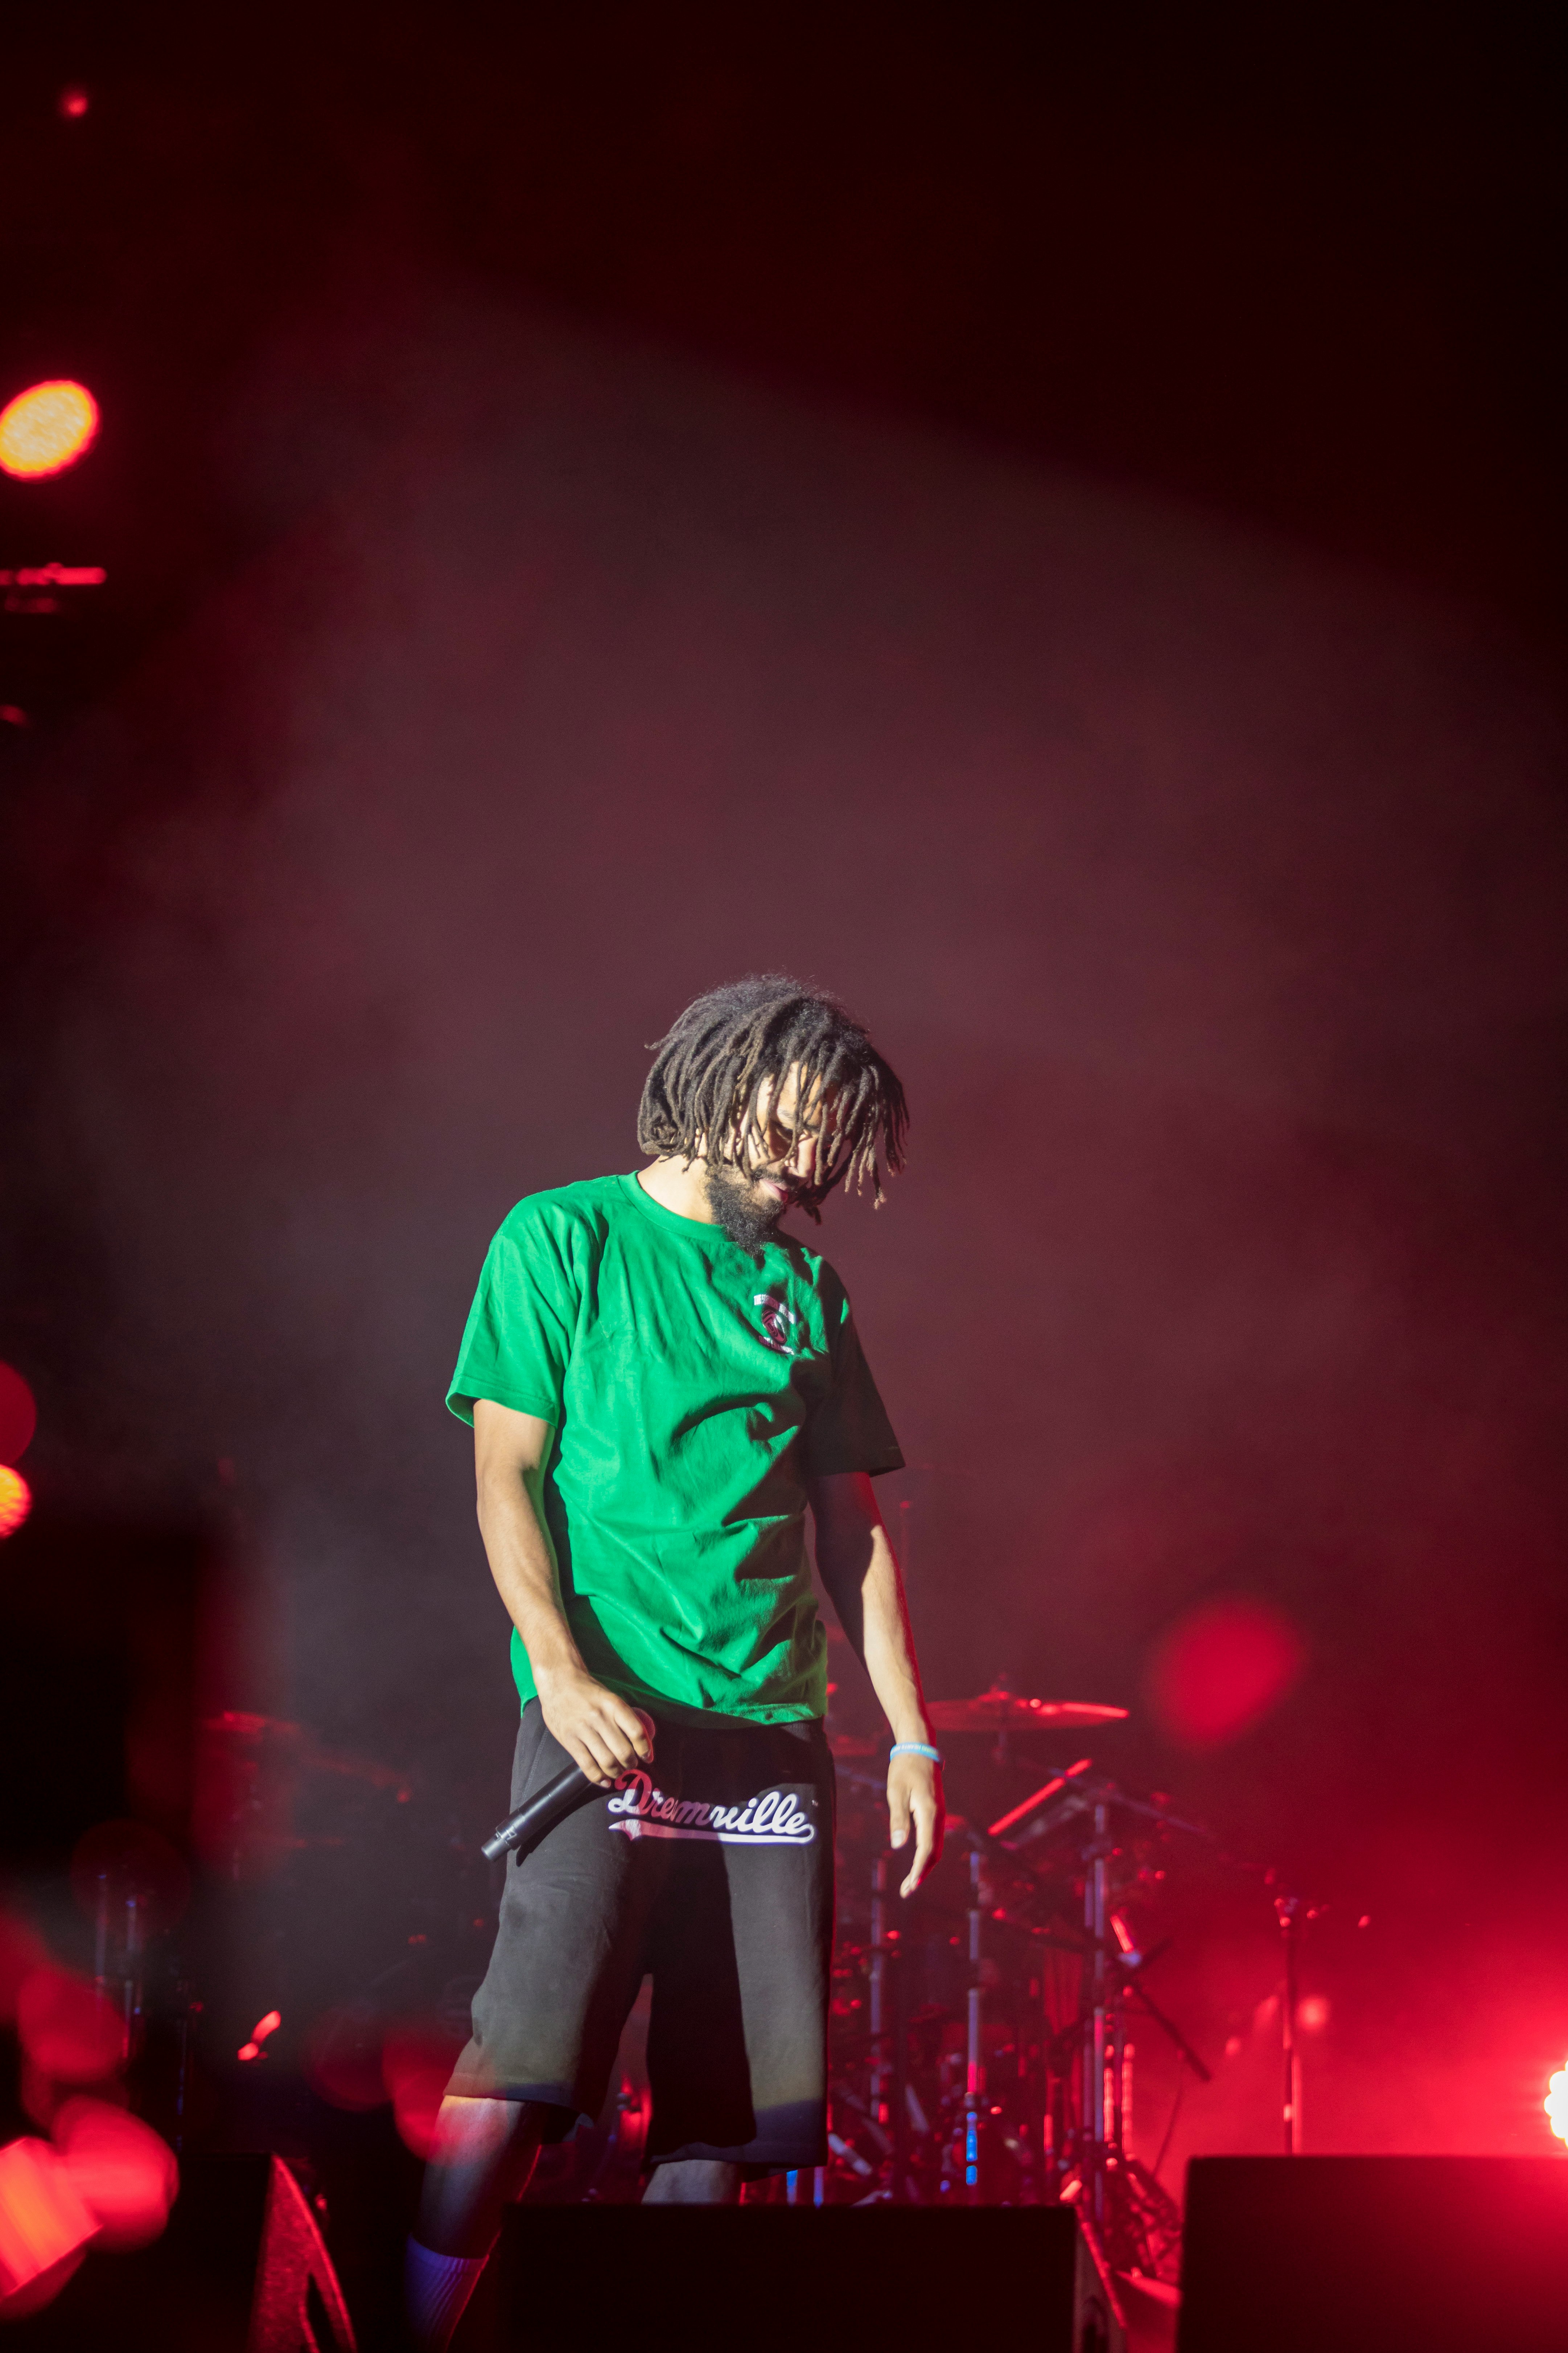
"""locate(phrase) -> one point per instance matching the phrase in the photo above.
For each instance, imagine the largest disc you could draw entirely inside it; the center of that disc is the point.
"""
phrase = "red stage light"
(53, 576)
(259, 2035)
(74, 104)
(47, 428)
(16, 1500)
(1221, 1670)
(22, 1954)
(120, 2167)
(68, 2029)
(18, 1415)
(1556, 2102)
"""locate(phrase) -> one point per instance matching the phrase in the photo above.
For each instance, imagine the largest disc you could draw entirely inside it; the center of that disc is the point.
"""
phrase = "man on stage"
(660, 1382)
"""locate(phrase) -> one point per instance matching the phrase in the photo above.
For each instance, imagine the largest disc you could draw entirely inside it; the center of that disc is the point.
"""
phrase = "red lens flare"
(417, 2065)
(68, 2030)
(45, 2227)
(259, 2035)
(16, 1500)
(22, 1956)
(120, 2167)
(18, 1415)
(74, 104)
(47, 428)
(343, 2059)
(1221, 1671)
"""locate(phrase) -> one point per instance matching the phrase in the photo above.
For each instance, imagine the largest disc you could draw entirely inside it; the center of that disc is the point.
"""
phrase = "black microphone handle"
(547, 1807)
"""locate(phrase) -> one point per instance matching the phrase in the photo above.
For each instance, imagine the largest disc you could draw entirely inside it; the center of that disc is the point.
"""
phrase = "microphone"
(547, 1807)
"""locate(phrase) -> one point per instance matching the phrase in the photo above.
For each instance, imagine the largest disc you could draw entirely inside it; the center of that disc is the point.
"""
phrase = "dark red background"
(1054, 534)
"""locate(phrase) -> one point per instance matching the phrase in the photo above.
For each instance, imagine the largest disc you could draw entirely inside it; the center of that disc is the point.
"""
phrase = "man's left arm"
(859, 1572)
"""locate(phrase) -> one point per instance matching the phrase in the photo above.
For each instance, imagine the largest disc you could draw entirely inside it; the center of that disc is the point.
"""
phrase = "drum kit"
(985, 2056)
(981, 2037)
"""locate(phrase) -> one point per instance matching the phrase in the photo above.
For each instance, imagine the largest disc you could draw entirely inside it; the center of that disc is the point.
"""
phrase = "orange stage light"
(47, 428)
(16, 1500)
(45, 2226)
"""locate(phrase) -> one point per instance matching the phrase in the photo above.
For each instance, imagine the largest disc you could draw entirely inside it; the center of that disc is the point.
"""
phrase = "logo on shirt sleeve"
(781, 1324)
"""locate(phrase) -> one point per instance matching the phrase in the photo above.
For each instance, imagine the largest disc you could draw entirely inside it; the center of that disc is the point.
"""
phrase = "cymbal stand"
(974, 2049)
(1291, 1913)
(1098, 2042)
(120, 1938)
(889, 2102)
(879, 1991)
(1126, 2214)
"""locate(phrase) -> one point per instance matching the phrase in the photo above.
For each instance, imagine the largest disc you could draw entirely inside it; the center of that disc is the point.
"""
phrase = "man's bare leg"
(694, 2181)
(483, 2153)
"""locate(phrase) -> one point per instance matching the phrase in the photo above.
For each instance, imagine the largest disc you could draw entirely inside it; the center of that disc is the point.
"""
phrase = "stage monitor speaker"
(1374, 2254)
(775, 2279)
(241, 2268)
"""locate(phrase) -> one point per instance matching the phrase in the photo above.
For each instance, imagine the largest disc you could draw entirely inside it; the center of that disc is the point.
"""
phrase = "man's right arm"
(603, 1733)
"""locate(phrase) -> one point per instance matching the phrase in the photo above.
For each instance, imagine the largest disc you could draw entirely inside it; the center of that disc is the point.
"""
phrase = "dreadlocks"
(710, 1069)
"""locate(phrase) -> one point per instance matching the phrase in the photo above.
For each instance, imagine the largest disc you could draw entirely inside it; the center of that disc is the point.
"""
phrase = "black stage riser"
(1375, 2254)
(776, 2279)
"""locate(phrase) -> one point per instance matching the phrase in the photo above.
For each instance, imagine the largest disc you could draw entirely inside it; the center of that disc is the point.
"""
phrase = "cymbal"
(236, 1726)
(853, 1743)
(1004, 1711)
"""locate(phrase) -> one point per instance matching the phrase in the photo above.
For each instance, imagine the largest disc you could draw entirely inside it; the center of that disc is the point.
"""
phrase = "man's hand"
(602, 1734)
(914, 1793)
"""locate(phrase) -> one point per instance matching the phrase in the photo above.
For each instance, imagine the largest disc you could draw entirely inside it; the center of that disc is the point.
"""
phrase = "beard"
(749, 1219)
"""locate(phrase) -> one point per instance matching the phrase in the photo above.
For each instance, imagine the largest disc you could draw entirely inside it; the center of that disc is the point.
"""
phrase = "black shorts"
(714, 1872)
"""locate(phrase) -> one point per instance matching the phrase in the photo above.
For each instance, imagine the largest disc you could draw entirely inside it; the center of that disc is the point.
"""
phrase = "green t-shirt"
(693, 1389)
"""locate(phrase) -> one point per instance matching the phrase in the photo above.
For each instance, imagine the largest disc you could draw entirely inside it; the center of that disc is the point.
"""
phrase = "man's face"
(780, 1161)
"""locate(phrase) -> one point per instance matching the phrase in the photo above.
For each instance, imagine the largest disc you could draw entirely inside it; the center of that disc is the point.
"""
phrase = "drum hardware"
(982, 2040)
(270, 1735)
(974, 2052)
(120, 1934)
(1293, 1912)
(1000, 1710)
(1131, 2218)
(1057, 1782)
(1040, 2114)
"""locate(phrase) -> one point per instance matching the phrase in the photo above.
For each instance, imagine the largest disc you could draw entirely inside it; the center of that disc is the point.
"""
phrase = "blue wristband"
(915, 1748)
